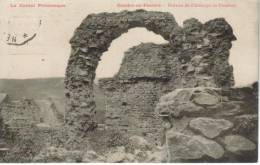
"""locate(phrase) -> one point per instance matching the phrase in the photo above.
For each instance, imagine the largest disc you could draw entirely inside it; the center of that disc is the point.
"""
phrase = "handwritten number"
(14, 39)
(8, 37)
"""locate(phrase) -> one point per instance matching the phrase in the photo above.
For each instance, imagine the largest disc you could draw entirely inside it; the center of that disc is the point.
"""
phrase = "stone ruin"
(179, 94)
(3, 97)
(27, 119)
(172, 102)
(196, 56)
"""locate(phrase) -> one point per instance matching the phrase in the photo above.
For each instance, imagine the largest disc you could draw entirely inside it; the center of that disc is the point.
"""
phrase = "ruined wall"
(146, 61)
(90, 40)
(203, 51)
(130, 108)
(18, 119)
(3, 98)
(26, 117)
(20, 115)
(197, 55)
(24, 130)
(133, 93)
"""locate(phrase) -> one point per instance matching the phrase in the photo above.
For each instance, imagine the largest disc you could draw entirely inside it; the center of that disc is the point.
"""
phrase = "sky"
(46, 54)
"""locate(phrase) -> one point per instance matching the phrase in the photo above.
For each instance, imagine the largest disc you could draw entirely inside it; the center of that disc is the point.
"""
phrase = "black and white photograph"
(120, 81)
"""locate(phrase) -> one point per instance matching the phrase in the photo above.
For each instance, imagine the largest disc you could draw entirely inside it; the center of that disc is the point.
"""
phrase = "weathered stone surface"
(223, 104)
(134, 103)
(176, 104)
(136, 155)
(248, 117)
(187, 102)
(186, 147)
(43, 126)
(237, 143)
(139, 142)
(209, 127)
(90, 156)
(231, 121)
(53, 154)
(157, 156)
(130, 157)
(205, 99)
(177, 110)
(117, 157)
(181, 95)
(17, 121)
(246, 124)
(154, 63)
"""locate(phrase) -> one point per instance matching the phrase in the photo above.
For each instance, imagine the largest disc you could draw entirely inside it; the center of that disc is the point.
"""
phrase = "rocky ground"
(135, 149)
(201, 125)
(211, 124)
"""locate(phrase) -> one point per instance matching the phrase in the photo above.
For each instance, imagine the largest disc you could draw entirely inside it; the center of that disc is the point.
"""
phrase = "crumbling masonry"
(196, 55)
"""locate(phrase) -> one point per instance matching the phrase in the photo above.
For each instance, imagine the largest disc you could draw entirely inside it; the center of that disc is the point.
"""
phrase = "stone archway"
(90, 40)
(197, 55)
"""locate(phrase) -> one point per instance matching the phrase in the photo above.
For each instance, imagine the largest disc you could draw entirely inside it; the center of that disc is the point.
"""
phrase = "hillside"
(45, 89)
(33, 88)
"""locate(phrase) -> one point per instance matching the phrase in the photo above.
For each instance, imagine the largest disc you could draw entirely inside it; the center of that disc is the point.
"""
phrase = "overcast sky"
(46, 55)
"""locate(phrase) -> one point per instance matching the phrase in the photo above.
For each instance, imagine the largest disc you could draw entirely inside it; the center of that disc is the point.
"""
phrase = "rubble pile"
(210, 124)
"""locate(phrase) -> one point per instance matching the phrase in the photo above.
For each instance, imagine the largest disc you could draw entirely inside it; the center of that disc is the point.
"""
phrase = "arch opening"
(111, 62)
(111, 59)
(89, 42)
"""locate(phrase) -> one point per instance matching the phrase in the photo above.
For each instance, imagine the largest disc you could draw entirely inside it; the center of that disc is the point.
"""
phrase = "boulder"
(237, 143)
(178, 109)
(209, 127)
(159, 155)
(182, 147)
(205, 99)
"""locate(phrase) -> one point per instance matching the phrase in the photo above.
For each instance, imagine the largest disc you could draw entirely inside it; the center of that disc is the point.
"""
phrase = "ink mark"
(24, 42)
(25, 35)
